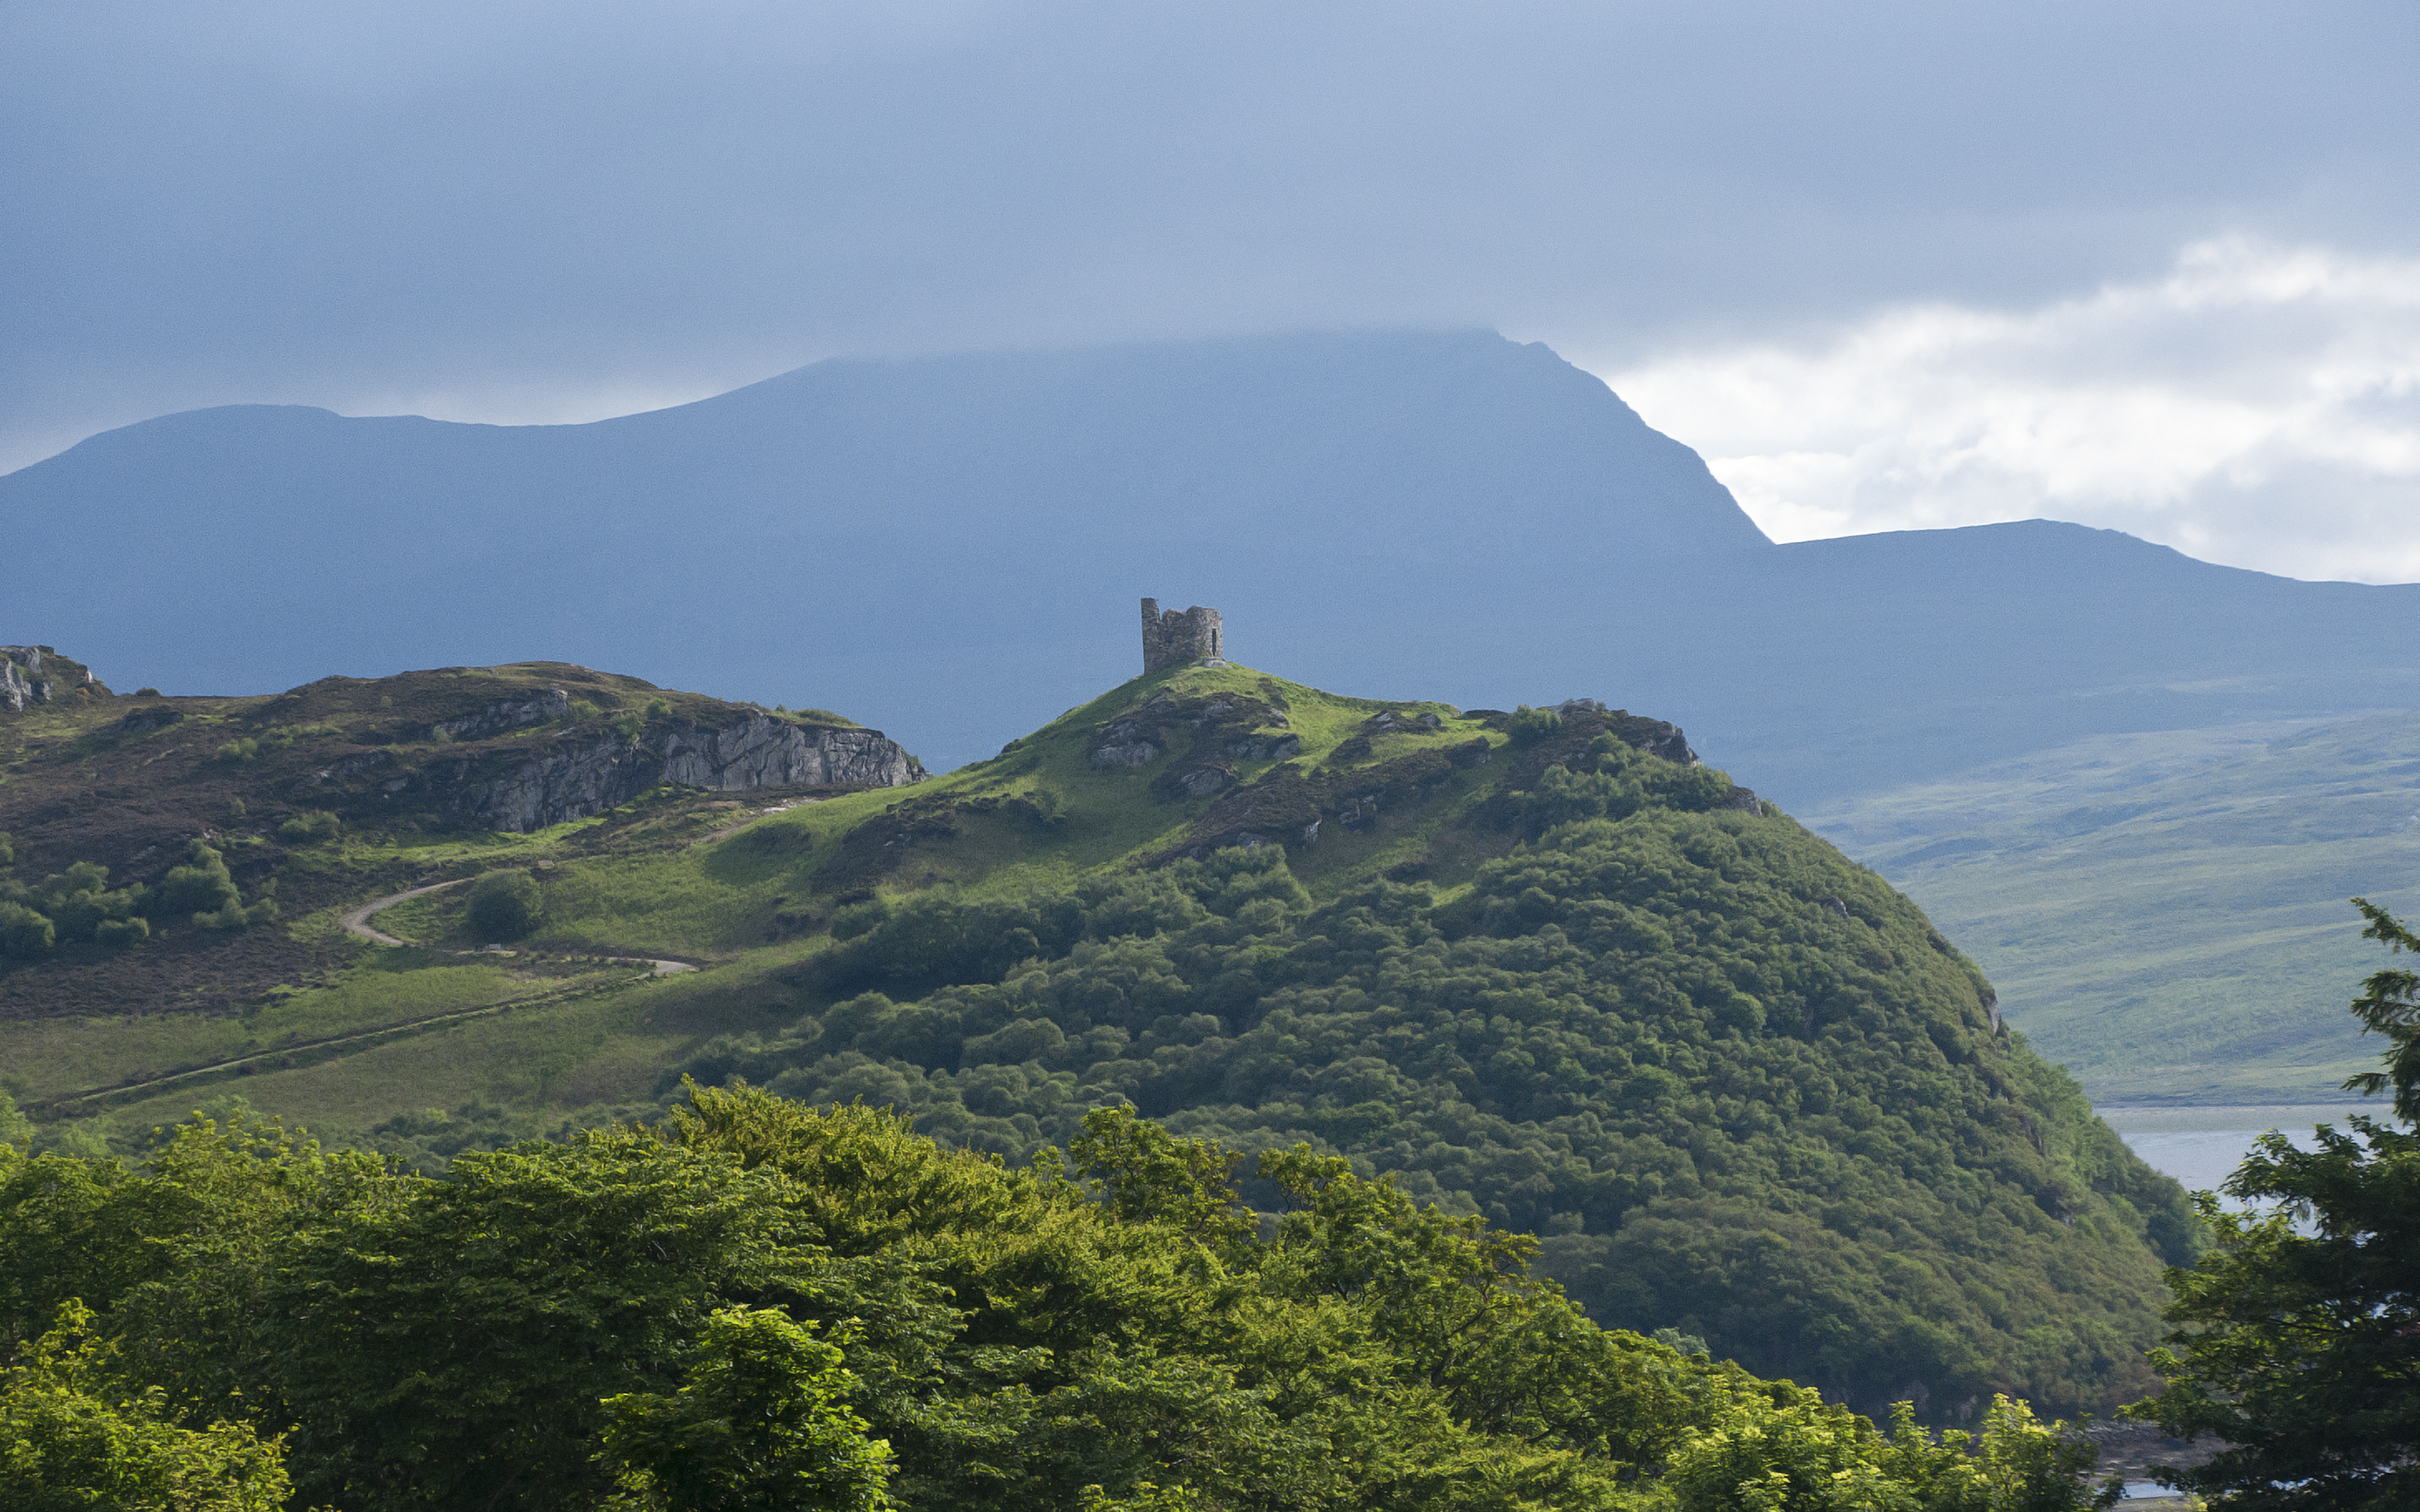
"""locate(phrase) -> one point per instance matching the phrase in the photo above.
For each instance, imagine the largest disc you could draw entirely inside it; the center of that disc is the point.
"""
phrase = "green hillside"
(2166, 914)
(1530, 965)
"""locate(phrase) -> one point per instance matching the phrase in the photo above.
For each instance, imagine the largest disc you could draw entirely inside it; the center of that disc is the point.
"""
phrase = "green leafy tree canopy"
(2297, 1338)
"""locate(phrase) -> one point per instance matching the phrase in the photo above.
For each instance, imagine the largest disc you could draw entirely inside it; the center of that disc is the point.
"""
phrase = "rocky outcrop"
(21, 682)
(1124, 747)
(573, 781)
(523, 785)
(1656, 737)
(584, 777)
(38, 675)
(761, 751)
(1246, 728)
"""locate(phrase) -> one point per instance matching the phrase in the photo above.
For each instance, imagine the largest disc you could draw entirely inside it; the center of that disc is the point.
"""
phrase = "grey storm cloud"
(490, 210)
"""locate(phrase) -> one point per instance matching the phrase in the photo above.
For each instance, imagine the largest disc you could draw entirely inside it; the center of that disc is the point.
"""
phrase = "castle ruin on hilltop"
(1179, 637)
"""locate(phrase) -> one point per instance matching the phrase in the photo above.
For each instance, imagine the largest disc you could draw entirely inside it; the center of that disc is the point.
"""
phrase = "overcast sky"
(2138, 263)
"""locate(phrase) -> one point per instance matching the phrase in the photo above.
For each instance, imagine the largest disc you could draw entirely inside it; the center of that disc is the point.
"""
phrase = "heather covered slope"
(344, 788)
(1540, 967)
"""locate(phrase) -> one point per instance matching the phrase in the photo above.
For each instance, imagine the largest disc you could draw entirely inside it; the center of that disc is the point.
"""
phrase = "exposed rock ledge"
(38, 675)
(581, 773)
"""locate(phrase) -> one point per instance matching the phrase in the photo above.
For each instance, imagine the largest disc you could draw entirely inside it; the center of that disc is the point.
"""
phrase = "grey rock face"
(39, 674)
(529, 784)
(761, 751)
(1124, 744)
(22, 681)
(590, 776)
(562, 785)
(755, 753)
(1203, 782)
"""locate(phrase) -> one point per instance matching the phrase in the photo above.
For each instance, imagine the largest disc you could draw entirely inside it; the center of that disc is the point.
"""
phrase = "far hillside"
(1542, 965)
(2166, 913)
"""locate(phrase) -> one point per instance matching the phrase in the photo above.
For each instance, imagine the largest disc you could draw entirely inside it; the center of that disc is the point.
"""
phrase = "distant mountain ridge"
(1447, 512)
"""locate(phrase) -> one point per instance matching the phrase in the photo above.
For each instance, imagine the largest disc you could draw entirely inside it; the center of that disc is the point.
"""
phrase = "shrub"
(25, 935)
(201, 886)
(1530, 726)
(659, 708)
(146, 692)
(584, 709)
(504, 905)
(77, 914)
(7, 852)
(310, 827)
(121, 933)
(243, 749)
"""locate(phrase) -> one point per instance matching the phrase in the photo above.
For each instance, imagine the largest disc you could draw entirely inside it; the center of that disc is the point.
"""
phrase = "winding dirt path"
(357, 922)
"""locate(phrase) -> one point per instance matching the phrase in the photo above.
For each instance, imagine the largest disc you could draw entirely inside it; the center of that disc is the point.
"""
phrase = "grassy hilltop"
(1539, 969)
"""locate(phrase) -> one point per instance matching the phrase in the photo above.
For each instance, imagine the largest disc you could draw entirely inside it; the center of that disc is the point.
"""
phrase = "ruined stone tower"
(1179, 637)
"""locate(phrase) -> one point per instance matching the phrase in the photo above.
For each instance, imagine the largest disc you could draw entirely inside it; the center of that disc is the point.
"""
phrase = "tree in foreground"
(2298, 1335)
(759, 1305)
(762, 1426)
(71, 1437)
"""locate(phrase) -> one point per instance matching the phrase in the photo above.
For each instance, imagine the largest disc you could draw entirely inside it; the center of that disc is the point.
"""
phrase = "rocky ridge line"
(589, 772)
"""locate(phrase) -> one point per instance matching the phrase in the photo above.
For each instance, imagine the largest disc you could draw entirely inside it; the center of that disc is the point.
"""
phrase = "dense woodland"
(755, 1305)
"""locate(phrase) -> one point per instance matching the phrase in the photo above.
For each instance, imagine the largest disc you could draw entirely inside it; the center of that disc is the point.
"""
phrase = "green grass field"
(2166, 913)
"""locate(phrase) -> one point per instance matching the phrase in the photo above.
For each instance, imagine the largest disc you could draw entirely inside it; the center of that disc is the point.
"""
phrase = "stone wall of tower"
(1180, 636)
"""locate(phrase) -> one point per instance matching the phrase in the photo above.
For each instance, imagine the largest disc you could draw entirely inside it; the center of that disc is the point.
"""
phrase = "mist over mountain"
(952, 549)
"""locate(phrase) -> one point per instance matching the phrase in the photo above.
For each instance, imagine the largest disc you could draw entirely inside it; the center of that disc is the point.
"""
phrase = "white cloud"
(2258, 404)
